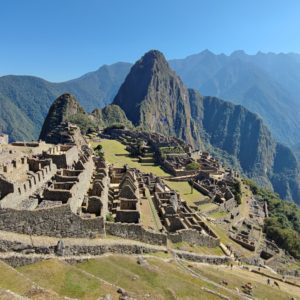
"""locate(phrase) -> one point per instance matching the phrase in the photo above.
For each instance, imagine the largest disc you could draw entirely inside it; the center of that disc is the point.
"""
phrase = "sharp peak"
(153, 56)
(66, 98)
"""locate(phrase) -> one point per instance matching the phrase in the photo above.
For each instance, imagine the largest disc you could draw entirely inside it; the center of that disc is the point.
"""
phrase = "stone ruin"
(246, 234)
(126, 192)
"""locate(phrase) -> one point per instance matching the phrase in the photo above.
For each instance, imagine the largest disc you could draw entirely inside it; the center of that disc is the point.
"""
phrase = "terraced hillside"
(152, 277)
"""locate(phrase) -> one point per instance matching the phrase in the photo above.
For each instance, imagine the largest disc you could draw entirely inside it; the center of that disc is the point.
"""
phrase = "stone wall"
(25, 189)
(209, 259)
(6, 187)
(56, 221)
(63, 156)
(228, 205)
(135, 232)
(194, 237)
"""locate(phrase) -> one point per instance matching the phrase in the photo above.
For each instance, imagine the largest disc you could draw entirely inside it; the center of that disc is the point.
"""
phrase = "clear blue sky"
(63, 39)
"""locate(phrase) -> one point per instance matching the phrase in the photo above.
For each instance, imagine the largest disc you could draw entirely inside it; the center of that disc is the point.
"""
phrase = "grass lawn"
(149, 216)
(207, 207)
(159, 279)
(197, 249)
(115, 153)
(218, 214)
(184, 190)
(237, 277)
(12, 280)
(66, 280)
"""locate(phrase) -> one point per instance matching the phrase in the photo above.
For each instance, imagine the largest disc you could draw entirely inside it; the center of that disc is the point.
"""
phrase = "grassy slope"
(237, 277)
(162, 280)
(12, 280)
(66, 280)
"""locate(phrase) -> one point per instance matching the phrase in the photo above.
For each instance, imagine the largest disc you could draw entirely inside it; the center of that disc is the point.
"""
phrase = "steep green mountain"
(154, 98)
(110, 115)
(25, 100)
(243, 135)
(264, 83)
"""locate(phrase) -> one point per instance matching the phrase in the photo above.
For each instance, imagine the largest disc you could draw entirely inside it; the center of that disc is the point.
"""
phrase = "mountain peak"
(153, 97)
(153, 60)
(60, 111)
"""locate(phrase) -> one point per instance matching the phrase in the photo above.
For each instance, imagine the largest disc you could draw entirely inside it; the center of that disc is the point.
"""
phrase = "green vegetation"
(283, 224)
(191, 196)
(12, 280)
(83, 121)
(237, 191)
(109, 217)
(236, 278)
(99, 150)
(111, 116)
(162, 280)
(66, 280)
(169, 150)
(115, 153)
(184, 246)
(192, 166)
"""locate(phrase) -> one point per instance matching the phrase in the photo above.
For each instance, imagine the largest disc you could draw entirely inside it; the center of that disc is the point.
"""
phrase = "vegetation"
(109, 217)
(237, 191)
(116, 153)
(192, 166)
(66, 280)
(83, 121)
(99, 150)
(283, 224)
(169, 150)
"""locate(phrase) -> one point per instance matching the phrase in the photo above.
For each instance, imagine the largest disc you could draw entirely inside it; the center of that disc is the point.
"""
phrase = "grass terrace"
(115, 153)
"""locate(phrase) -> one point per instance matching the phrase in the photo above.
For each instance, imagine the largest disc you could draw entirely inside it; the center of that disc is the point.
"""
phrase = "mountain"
(110, 115)
(266, 84)
(63, 109)
(154, 98)
(25, 100)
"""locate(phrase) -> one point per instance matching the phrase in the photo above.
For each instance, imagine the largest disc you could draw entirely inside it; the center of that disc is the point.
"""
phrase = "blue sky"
(63, 39)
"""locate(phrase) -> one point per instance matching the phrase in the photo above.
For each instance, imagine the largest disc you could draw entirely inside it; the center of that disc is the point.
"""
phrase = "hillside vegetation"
(283, 224)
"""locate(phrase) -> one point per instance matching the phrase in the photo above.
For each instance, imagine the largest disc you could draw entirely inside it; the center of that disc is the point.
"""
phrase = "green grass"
(207, 207)
(12, 280)
(184, 189)
(115, 153)
(218, 214)
(237, 277)
(160, 279)
(197, 249)
(65, 279)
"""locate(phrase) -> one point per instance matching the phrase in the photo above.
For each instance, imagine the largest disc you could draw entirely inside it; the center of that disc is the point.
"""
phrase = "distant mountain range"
(25, 100)
(153, 98)
(264, 83)
(267, 84)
